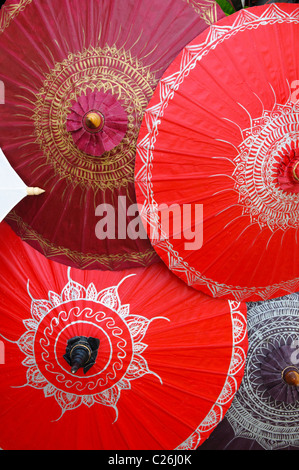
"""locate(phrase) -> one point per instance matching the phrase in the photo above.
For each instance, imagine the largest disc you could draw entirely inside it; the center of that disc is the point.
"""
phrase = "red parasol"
(222, 131)
(78, 75)
(149, 378)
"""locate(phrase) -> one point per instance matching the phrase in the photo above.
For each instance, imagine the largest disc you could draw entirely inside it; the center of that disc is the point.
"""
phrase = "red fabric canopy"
(222, 132)
(169, 362)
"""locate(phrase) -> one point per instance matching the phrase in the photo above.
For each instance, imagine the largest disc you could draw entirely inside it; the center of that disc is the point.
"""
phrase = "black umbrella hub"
(81, 352)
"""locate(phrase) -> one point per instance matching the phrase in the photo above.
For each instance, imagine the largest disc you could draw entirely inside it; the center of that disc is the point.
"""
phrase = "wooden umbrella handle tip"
(34, 191)
(291, 376)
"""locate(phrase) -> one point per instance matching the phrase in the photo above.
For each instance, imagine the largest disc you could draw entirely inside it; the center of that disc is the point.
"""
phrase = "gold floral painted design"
(105, 69)
(82, 260)
(9, 12)
(206, 10)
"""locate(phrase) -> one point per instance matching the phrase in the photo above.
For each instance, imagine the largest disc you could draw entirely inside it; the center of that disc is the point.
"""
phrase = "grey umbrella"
(265, 411)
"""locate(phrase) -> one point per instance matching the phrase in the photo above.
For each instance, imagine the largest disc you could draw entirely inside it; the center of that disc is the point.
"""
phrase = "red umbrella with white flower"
(222, 132)
(131, 359)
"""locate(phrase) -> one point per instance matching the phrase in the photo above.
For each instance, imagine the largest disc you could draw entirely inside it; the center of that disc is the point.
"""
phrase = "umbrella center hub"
(97, 122)
(296, 172)
(291, 376)
(279, 376)
(81, 352)
(94, 121)
(288, 172)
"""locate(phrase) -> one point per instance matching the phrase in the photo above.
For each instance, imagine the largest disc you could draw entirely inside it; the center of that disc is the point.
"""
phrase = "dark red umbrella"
(78, 75)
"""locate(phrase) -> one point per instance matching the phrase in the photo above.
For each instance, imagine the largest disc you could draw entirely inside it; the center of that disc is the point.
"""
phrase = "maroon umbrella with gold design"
(78, 76)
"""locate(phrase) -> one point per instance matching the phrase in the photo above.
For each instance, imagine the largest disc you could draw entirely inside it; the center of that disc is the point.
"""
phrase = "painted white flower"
(52, 319)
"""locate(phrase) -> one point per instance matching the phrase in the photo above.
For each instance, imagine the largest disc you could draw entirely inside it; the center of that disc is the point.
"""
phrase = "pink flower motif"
(288, 173)
(97, 122)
